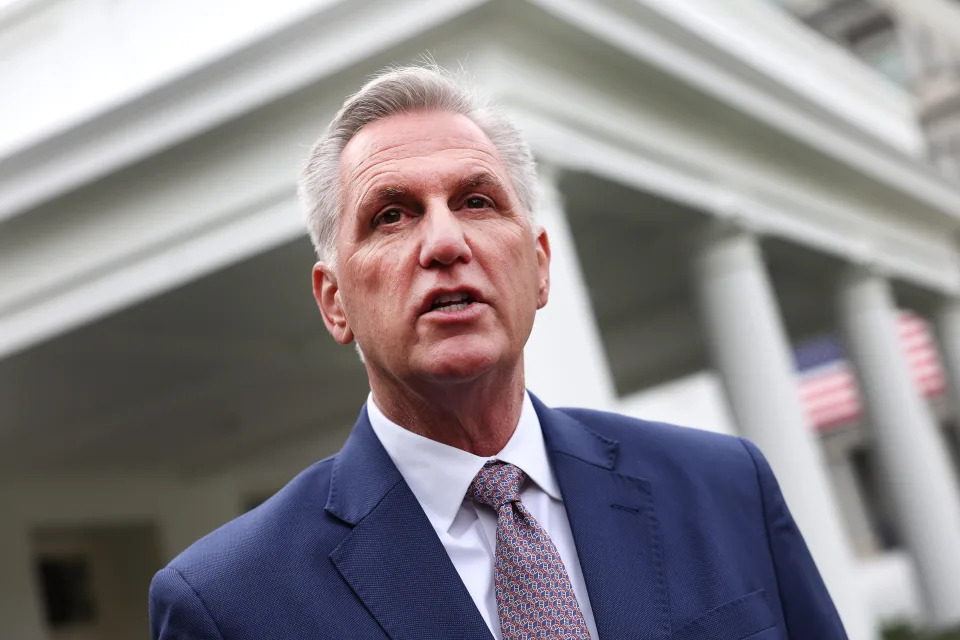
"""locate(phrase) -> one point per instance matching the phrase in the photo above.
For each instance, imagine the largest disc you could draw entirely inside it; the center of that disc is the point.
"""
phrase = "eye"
(477, 202)
(390, 216)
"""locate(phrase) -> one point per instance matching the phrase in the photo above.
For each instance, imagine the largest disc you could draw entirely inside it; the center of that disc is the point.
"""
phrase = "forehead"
(416, 145)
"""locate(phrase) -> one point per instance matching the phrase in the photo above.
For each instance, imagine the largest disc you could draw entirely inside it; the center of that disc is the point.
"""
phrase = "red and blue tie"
(534, 596)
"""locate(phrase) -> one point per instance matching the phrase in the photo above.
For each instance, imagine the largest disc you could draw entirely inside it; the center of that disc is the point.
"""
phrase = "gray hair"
(394, 92)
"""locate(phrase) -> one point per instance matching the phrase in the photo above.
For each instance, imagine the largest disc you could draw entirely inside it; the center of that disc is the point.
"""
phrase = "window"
(67, 591)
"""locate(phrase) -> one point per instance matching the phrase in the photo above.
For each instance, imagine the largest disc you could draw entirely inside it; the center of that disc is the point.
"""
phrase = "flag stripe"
(828, 389)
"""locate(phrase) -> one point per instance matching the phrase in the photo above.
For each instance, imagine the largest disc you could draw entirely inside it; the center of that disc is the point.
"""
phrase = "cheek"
(379, 282)
(522, 259)
(514, 260)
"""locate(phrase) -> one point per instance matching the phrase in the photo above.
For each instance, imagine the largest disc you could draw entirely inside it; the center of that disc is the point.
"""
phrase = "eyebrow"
(481, 179)
(383, 194)
(387, 193)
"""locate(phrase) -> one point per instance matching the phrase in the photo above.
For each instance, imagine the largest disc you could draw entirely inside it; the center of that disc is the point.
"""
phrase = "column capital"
(725, 246)
(725, 228)
(548, 172)
(862, 262)
(548, 194)
(732, 209)
(862, 286)
(859, 272)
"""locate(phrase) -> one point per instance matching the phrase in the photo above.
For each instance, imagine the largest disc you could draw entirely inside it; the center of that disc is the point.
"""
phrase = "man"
(461, 506)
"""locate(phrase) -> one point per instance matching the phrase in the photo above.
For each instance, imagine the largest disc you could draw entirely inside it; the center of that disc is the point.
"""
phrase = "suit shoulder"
(666, 443)
(268, 535)
(628, 429)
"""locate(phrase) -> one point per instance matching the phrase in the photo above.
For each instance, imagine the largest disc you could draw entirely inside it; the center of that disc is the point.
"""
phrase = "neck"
(478, 416)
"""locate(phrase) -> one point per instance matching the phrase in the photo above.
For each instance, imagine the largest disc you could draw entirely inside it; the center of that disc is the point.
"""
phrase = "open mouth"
(449, 302)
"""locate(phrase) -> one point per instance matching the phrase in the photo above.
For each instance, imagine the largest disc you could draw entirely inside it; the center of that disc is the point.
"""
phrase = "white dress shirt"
(439, 476)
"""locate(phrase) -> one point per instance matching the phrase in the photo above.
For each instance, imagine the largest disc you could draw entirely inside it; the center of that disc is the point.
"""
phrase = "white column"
(21, 613)
(565, 363)
(947, 326)
(751, 351)
(910, 447)
(189, 511)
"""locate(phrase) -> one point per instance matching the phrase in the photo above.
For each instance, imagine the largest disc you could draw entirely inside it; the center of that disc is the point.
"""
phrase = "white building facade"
(719, 183)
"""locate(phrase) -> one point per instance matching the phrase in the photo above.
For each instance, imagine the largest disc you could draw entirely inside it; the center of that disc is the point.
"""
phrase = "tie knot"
(497, 484)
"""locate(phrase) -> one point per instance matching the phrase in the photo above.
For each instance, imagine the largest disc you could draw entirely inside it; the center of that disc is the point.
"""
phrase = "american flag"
(828, 388)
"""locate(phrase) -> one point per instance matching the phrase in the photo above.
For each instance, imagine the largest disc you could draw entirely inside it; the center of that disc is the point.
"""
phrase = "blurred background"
(754, 208)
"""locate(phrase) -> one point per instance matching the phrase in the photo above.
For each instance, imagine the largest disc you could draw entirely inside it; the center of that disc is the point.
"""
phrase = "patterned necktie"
(534, 595)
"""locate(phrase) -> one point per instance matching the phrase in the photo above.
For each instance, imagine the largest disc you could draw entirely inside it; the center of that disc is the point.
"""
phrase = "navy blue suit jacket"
(681, 534)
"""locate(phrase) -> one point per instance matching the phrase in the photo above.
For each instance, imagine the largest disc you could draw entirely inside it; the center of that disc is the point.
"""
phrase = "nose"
(444, 241)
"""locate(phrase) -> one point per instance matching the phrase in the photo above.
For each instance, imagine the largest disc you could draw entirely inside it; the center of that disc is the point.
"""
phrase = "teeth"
(459, 306)
(451, 301)
(445, 298)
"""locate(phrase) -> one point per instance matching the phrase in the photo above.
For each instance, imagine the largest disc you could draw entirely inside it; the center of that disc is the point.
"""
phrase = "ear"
(543, 267)
(327, 294)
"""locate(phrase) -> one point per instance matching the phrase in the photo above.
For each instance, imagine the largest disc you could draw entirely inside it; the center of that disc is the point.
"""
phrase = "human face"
(429, 216)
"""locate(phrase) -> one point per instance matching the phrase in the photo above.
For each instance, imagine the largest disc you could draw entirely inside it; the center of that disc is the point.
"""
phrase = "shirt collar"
(439, 475)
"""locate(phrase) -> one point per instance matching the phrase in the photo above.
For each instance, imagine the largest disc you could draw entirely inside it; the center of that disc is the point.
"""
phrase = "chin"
(462, 362)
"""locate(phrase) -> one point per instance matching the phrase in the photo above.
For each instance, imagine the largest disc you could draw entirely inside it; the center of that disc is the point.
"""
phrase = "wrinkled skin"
(428, 205)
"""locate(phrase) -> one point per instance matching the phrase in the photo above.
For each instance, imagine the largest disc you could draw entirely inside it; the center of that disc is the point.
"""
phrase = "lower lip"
(470, 312)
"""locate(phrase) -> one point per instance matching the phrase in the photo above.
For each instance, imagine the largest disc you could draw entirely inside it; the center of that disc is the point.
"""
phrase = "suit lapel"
(614, 528)
(392, 558)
